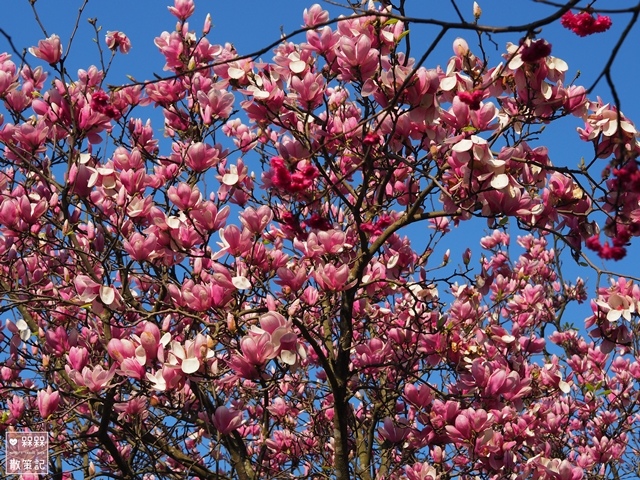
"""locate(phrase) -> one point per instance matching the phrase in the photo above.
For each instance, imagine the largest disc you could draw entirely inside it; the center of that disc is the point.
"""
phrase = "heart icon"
(13, 441)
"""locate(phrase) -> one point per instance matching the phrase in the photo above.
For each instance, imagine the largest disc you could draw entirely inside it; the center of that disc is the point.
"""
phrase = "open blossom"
(118, 40)
(49, 49)
(534, 50)
(301, 179)
(182, 9)
(617, 307)
(584, 23)
(95, 379)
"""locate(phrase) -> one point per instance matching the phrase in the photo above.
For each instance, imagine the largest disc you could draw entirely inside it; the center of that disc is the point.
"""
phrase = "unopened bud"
(207, 24)
(466, 256)
(477, 11)
(231, 323)
(460, 47)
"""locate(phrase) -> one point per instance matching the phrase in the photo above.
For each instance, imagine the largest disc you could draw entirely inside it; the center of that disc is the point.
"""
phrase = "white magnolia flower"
(617, 307)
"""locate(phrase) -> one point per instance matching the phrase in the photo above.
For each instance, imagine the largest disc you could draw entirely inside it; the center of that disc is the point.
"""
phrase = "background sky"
(251, 24)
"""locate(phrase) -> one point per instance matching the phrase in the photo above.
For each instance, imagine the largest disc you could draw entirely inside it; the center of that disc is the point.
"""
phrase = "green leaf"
(402, 35)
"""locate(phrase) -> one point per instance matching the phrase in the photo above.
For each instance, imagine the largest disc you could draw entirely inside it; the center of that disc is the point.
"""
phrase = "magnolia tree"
(252, 291)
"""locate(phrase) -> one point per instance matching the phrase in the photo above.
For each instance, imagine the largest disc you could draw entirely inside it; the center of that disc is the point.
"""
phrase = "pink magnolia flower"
(560, 469)
(357, 59)
(309, 89)
(119, 349)
(78, 358)
(184, 196)
(166, 378)
(281, 336)
(150, 339)
(419, 396)
(256, 220)
(133, 368)
(141, 247)
(118, 40)
(392, 432)
(215, 104)
(208, 216)
(87, 288)
(201, 156)
(331, 278)
(226, 420)
(17, 407)
(47, 402)
(421, 471)
(243, 367)
(315, 15)
(191, 355)
(460, 47)
(182, 9)
(95, 379)
(49, 49)
(136, 407)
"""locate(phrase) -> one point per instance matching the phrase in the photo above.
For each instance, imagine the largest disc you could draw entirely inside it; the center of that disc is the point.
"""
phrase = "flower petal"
(241, 283)
(190, 365)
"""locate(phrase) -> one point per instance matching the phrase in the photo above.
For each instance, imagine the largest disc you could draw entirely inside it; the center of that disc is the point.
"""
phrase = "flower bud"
(477, 11)
(460, 47)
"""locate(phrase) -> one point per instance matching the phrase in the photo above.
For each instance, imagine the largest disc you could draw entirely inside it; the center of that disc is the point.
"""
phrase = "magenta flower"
(584, 24)
(421, 471)
(472, 99)
(150, 339)
(257, 350)
(331, 278)
(534, 50)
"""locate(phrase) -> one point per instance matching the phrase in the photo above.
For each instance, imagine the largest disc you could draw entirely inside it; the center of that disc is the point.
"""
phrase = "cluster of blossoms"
(584, 23)
(246, 297)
